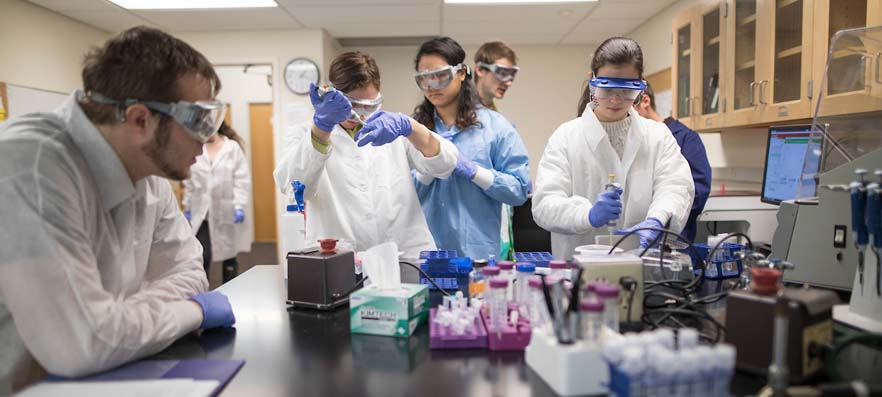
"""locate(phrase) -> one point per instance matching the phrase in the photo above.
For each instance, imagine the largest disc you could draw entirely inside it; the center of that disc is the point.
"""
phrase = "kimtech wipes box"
(395, 312)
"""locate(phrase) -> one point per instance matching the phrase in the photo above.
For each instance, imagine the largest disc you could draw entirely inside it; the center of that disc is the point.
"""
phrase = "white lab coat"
(95, 271)
(362, 194)
(216, 188)
(575, 167)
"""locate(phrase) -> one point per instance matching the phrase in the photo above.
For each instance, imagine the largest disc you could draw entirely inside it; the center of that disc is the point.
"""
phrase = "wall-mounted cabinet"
(749, 62)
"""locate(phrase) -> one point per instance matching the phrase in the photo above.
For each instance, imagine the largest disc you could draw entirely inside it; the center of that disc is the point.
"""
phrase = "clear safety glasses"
(501, 72)
(201, 119)
(364, 108)
(439, 78)
(621, 89)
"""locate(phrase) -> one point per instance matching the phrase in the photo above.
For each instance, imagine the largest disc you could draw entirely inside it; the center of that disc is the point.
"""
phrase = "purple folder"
(219, 370)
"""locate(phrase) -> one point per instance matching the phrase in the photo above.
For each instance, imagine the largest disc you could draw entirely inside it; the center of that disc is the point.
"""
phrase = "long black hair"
(613, 51)
(468, 101)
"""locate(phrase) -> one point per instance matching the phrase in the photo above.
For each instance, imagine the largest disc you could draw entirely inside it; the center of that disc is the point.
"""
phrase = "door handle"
(762, 84)
(752, 99)
(878, 62)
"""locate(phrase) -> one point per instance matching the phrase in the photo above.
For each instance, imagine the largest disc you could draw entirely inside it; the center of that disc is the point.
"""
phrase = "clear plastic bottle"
(538, 309)
(612, 186)
(477, 279)
(507, 271)
(609, 295)
(525, 270)
(592, 319)
(712, 262)
(724, 366)
(498, 303)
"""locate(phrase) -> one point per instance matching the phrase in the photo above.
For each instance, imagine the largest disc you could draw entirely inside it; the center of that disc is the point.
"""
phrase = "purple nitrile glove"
(646, 236)
(216, 310)
(465, 168)
(187, 215)
(238, 215)
(607, 207)
(384, 127)
(330, 110)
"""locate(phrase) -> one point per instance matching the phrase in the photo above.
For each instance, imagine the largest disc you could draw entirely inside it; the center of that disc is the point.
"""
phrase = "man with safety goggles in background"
(98, 266)
(356, 169)
(495, 71)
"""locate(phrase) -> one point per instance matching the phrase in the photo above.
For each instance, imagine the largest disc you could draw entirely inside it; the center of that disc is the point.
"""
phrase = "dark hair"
(229, 132)
(651, 94)
(354, 70)
(613, 51)
(140, 63)
(452, 52)
(492, 51)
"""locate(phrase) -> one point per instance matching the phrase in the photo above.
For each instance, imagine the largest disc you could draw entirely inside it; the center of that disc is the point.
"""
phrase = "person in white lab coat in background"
(97, 265)
(358, 180)
(571, 200)
(215, 198)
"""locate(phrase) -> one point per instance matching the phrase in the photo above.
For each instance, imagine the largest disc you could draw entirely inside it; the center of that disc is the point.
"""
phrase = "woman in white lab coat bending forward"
(610, 138)
(215, 198)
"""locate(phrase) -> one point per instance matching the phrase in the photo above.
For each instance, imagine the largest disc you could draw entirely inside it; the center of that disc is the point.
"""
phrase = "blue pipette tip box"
(540, 259)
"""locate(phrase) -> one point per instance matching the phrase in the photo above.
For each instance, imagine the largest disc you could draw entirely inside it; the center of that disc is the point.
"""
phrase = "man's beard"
(157, 150)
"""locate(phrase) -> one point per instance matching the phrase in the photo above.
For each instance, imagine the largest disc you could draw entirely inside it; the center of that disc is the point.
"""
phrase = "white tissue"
(380, 263)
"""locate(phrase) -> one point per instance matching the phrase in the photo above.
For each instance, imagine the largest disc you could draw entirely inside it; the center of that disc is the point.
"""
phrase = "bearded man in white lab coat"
(98, 266)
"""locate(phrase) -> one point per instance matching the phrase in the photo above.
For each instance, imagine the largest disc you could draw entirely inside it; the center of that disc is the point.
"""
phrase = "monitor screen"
(788, 155)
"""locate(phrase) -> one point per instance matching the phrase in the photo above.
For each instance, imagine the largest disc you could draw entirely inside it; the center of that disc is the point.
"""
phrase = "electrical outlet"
(612, 268)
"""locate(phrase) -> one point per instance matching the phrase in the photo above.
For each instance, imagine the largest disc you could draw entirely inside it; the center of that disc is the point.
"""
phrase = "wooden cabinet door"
(707, 103)
(746, 24)
(784, 92)
(683, 67)
(850, 91)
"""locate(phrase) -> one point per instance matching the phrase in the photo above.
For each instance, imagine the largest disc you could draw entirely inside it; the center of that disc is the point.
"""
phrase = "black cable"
(428, 277)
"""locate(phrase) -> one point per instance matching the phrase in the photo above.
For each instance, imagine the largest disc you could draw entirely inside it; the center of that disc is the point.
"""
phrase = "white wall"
(272, 47)
(42, 49)
(654, 37)
(240, 90)
(544, 95)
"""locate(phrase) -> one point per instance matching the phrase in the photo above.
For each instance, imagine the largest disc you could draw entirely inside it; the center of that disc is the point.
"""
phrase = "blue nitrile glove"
(646, 236)
(216, 310)
(607, 207)
(299, 188)
(187, 215)
(384, 127)
(238, 216)
(331, 110)
(465, 168)
(448, 136)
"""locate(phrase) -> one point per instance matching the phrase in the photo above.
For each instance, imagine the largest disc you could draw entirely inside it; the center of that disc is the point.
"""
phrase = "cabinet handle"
(762, 84)
(878, 61)
(752, 99)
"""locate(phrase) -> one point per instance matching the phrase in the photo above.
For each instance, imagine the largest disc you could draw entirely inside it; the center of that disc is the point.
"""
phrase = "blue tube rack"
(729, 267)
(540, 259)
(448, 270)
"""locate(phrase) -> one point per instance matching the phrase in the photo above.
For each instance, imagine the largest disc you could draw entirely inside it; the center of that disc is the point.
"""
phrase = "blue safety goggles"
(610, 87)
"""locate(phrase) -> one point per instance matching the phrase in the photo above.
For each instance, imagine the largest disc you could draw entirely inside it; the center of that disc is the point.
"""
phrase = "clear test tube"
(525, 270)
(558, 269)
(609, 295)
(592, 319)
(498, 303)
(507, 271)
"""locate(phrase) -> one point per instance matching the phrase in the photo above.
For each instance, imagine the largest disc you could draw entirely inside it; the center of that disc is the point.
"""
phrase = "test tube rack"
(540, 259)
(441, 337)
(719, 269)
(511, 338)
(571, 370)
(446, 269)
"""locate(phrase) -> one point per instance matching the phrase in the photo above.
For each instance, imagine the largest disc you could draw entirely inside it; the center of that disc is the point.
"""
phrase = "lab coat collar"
(594, 134)
(114, 184)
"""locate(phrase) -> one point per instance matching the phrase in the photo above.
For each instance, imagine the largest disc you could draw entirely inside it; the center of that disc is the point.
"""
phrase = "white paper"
(136, 388)
(380, 263)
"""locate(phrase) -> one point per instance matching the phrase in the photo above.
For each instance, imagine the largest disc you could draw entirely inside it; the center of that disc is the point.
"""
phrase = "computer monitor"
(791, 151)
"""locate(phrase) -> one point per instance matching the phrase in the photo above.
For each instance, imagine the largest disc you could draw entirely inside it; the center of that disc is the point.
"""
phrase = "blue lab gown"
(461, 215)
(692, 149)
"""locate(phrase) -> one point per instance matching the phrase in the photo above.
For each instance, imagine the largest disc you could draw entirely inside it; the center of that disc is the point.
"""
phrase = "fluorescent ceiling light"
(488, 2)
(191, 4)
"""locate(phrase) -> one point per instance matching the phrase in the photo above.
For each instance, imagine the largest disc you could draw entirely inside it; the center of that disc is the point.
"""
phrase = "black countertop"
(290, 352)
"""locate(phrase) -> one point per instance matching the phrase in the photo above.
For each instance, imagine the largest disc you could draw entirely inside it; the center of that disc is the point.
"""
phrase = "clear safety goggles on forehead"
(438, 79)
(364, 108)
(201, 119)
(501, 72)
(613, 87)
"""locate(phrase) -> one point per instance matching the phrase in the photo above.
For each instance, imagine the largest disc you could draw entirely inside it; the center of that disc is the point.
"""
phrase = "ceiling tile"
(403, 29)
(629, 9)
(353, 3)
(509, 26)
(111, 21)
(321, 16)
(238, 19)
(77, 5)
(510, 39)
(545, 12)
